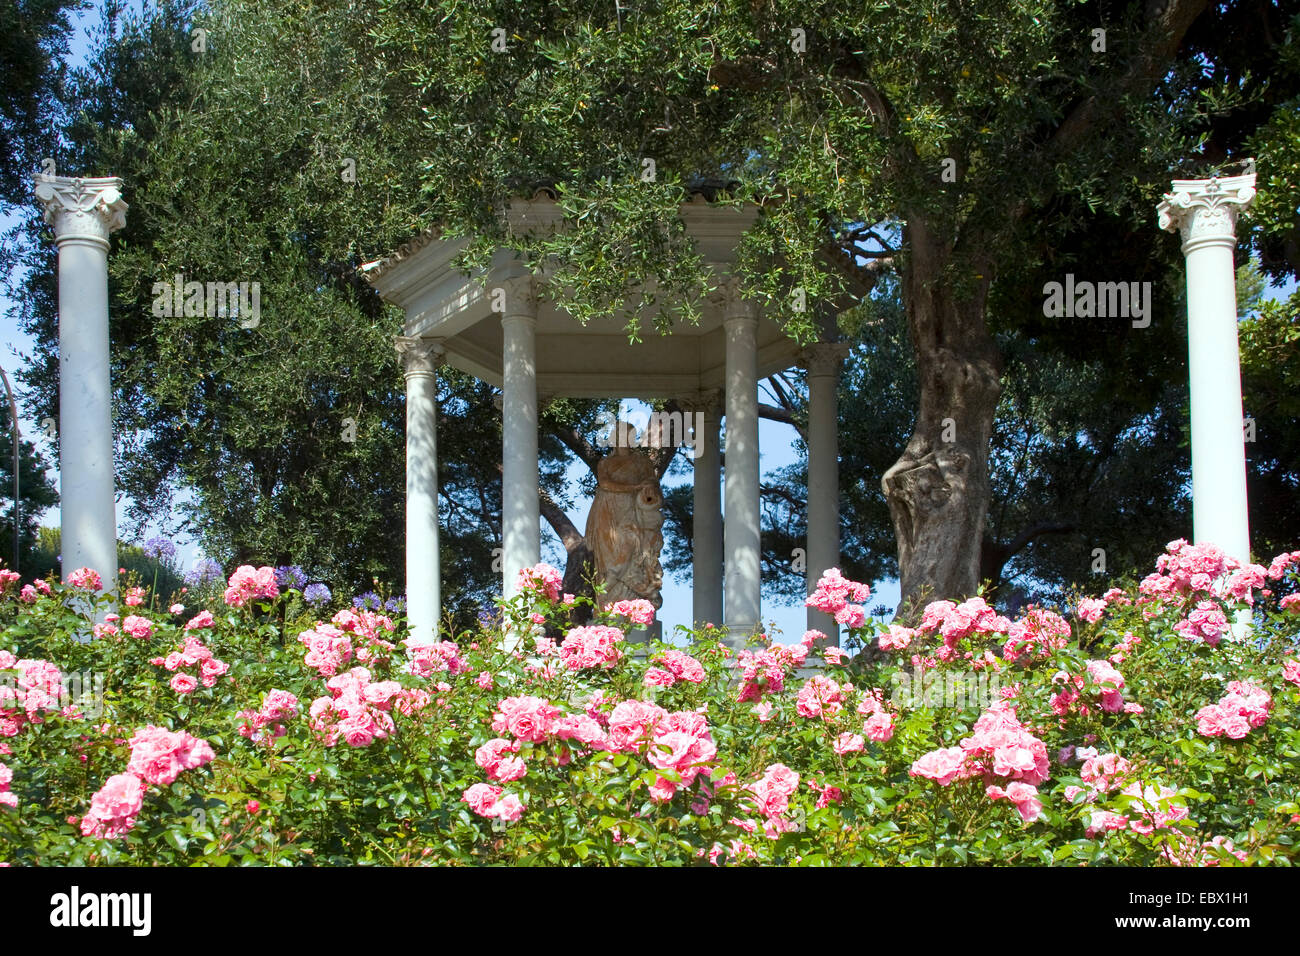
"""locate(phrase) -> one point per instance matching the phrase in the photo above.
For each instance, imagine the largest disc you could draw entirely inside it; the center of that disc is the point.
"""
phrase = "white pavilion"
(498, 326)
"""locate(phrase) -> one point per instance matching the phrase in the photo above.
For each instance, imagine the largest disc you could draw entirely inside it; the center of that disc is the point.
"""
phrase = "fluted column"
(520, 509)
(420, 361)
(741, 586)
(1205, 212)
(823, 546)
(705, 409)
(83, 213)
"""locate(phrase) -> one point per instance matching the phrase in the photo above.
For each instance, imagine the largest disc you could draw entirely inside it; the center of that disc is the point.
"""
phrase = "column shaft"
(520, 509)
(1218, 450)
(706, 543)
(823, 545)
(741, 587)
(86, 489)
(423, 556)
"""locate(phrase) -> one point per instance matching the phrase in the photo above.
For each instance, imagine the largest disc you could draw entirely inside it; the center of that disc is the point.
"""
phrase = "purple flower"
(290, 576)
(369, 601)
(395, 604)
(316, 594)
(159, 548)
(204, 571)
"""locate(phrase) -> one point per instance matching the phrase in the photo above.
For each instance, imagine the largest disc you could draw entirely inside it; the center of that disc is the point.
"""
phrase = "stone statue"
(625, 526)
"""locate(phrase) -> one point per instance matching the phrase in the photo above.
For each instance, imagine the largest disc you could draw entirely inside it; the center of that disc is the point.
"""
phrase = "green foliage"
(33, 35)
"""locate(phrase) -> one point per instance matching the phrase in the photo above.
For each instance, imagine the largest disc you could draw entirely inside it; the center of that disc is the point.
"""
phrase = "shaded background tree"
(236, 158)
(36, 493)
(34, 37)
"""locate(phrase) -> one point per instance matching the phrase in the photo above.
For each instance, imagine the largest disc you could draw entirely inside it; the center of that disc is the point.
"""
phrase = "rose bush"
(1141, 727)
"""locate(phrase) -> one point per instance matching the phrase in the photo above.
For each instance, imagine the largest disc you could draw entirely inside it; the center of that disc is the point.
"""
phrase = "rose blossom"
(114, 807)
(140, 628)
(848, 743)
(183, 683)
(509, 808)
(527, 718)
(249, 583)
(482, 798)
(943, 766)
(879, 727)
(160, 755)
(85, 578)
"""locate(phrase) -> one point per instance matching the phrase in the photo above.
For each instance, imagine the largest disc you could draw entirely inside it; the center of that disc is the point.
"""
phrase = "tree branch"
(774, 413)
(1020, 541)
(567, 531)
(578, 445)
(861, 278)
(1168, 22)
(564, 528)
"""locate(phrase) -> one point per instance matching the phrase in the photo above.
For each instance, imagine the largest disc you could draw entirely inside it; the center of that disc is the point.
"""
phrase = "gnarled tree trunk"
(938, 490)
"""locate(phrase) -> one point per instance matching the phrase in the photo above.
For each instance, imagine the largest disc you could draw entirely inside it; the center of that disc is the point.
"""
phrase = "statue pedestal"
(812, 666)
(644, 635)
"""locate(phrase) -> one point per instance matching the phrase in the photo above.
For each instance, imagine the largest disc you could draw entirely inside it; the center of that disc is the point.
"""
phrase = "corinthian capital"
(1205, 211)
(82, 208)
(516, 295)
(727, 295)
(706, 400)
(419, 356)
(824, 358)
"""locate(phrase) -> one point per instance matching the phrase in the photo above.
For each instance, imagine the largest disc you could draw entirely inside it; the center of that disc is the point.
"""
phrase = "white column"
(741, 530)
(823, 545)
(84, 212)
(706, 543)
(1205, 212)
(420, 360)
(520, 509)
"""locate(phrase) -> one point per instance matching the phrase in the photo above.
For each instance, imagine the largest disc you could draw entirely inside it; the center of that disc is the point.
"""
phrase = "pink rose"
(249, 583)
(509, 808)
(211, 669)
(942, 766)
(848, 743)
(639, 611)
(482, 799)
(201, 620)
(85, 578)
(357, 730)
(114, 807)
(527, 718)
(879, 727)
(1091, 609)
(658, 677)
(140, 628)
(159, 756)
(184, 683)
